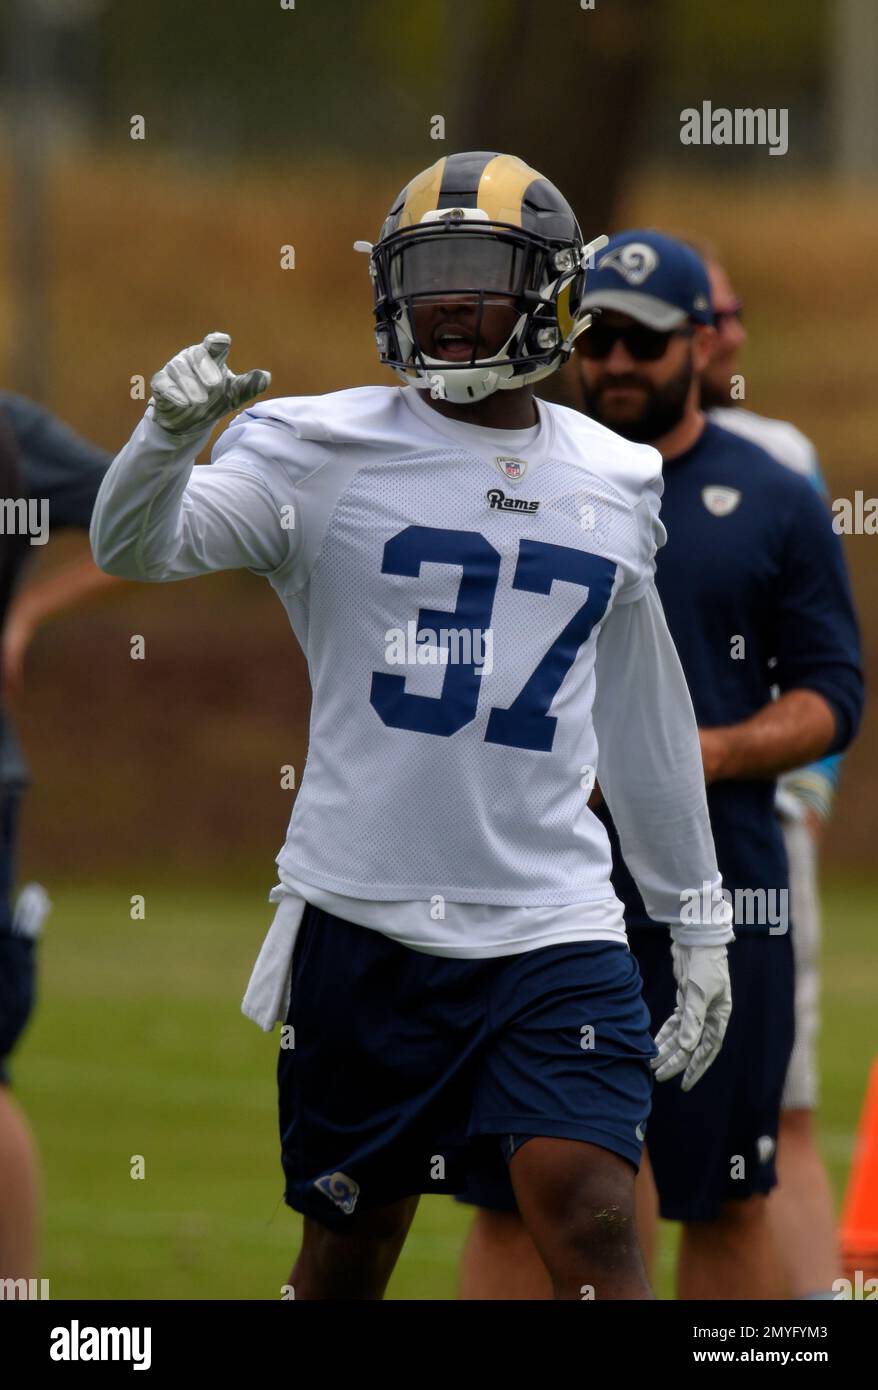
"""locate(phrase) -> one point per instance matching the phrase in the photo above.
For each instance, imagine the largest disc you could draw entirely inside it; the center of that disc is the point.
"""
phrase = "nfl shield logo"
(720, 501)
(513, 469)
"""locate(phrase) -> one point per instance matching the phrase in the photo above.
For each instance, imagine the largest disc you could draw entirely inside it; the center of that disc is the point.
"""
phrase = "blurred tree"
(586, 89)
(565, 88)
(854, 102)
(28, 77)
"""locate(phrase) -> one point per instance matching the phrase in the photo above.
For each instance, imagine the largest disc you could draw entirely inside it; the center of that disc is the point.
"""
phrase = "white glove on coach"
(196, 388)
(693, 1035)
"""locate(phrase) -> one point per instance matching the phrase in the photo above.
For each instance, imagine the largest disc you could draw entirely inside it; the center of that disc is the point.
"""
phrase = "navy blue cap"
(656, 279)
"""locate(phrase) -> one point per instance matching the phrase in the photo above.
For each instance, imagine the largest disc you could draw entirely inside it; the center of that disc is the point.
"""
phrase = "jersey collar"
(487, 442)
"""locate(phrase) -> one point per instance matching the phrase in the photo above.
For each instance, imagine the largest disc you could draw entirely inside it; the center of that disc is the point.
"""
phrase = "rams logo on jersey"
(498, 500)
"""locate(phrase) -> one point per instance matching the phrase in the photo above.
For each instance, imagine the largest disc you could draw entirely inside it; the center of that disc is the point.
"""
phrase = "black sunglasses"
(734, 311)
(642, 343)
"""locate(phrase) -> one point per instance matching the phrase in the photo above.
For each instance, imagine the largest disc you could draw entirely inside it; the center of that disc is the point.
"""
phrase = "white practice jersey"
(483, 638)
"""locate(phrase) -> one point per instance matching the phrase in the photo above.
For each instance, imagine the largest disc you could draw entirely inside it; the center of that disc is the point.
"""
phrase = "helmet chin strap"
(461, 387)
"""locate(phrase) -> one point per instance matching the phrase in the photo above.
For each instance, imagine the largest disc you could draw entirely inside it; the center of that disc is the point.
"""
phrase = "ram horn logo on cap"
(634, 262)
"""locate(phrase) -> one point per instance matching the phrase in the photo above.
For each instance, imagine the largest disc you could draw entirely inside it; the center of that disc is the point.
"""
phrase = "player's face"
(449, 328)
(463, 289)
(639, 398)
(731, 335)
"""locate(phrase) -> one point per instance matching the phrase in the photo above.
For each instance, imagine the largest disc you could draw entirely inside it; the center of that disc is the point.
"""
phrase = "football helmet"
(488, 229)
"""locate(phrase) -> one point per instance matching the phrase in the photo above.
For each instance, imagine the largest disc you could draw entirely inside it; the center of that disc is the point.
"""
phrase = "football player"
(448, 957)
(754, 585)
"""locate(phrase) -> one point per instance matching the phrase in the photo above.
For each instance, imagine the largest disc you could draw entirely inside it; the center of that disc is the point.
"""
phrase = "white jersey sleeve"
(652, 536)
(263, 503)
(623, 480)
(159, 518)
(651, 773)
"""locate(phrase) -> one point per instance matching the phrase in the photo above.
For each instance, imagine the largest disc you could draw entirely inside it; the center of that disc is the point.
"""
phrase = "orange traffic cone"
(859, 1217)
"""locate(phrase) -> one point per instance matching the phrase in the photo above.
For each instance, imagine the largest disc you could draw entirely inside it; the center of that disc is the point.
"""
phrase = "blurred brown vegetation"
(174, 762)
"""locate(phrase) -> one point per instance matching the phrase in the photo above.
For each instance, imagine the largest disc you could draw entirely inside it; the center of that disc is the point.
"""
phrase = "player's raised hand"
(196, 388)
(693, 1035)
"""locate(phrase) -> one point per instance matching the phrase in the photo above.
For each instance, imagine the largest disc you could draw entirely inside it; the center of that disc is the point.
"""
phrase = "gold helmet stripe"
(505, 179)
(562, 305)
(422, 194)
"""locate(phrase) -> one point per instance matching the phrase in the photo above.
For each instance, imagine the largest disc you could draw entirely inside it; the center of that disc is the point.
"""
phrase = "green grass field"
(139, 1048)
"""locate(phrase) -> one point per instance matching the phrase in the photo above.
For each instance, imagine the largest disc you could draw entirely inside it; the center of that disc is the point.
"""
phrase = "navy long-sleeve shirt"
(66, 470)
(56, 463)
(755, 589)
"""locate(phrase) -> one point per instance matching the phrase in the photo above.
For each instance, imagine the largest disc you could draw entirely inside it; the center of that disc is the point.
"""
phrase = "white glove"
(196, 388)
(693, 1035)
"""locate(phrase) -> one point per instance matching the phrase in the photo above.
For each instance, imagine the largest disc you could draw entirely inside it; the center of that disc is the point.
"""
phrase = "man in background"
(801, 1206)
(43, 460)
(17, 1166)
(753, 583)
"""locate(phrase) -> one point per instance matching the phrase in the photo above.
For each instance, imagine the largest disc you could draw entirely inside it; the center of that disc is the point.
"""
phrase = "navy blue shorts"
(716, 1142)
(16, 952)
(408, 1072)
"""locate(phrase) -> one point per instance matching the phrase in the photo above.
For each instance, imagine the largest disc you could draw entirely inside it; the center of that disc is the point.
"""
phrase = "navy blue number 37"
(527, 722)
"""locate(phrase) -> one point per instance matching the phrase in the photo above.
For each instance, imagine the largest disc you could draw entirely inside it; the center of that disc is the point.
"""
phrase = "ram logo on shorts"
(341, 1189)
